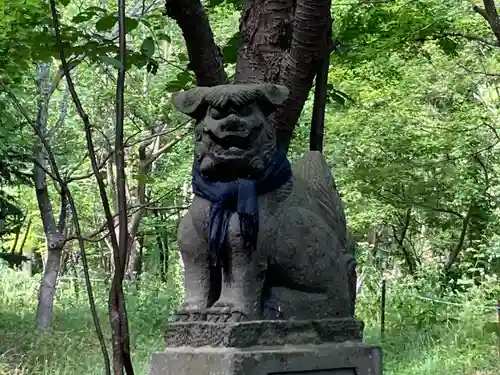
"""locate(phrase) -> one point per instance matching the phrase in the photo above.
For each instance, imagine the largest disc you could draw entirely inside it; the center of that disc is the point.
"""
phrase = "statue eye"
(216, 114)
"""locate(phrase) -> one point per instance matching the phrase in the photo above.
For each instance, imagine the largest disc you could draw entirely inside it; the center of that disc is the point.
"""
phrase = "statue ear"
(191, 102)
(272, 96)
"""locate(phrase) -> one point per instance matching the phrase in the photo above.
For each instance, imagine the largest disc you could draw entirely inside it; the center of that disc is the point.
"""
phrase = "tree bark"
(283, 43)
(44, 311)
(205, 57)
(53, 232)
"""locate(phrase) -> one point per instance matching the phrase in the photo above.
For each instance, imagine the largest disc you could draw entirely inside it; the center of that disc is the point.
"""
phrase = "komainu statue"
(262, 239)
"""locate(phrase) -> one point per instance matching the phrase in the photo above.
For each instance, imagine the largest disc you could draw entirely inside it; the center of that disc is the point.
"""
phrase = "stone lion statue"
(262, 239)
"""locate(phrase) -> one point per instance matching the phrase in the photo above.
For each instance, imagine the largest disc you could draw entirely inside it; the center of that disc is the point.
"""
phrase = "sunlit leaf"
(106, 23)
(148, 47)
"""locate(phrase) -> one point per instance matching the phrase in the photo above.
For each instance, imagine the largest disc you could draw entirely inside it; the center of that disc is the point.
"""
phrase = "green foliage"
(70, 346)
(411, 134)
(451, 340)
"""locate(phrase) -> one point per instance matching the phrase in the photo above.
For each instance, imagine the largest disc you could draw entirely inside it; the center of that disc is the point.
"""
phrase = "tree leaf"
(230, 50)
(174, 86)
(84, 16)
(111, 61)
(106, 23)
(137, 59)
(182, 57)
(131, 24)
(338, 96)
(184, 77)
(148, 47)
(449, 46)
(65, 2)
(490, 327)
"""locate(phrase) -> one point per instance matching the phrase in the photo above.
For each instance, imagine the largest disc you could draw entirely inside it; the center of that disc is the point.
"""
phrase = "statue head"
(233, 137)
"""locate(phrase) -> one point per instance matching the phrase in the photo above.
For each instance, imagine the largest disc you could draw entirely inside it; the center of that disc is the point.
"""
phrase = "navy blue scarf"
(237, 196)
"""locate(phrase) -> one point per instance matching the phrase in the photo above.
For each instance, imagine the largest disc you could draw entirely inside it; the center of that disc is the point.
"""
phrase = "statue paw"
(190, 313)
(225, 313)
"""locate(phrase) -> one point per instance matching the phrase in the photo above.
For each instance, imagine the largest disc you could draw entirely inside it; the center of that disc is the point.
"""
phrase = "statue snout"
(229, 126)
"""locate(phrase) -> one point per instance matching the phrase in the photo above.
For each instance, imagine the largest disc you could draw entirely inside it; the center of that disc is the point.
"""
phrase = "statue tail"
(312, 168)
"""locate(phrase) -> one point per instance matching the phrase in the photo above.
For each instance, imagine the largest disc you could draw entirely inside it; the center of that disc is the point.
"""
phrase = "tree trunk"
(147, 157)
(283, 43)
(205, 57)
(133, 259)
(53, 232)
(45, 306)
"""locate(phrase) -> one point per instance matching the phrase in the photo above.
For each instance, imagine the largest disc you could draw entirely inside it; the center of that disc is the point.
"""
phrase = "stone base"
(345, 358)
(263, 333)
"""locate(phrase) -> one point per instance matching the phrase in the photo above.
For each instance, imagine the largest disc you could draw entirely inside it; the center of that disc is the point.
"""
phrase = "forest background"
(411, 133)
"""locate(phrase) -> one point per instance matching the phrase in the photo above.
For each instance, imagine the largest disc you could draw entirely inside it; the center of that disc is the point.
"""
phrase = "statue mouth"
(235, 142)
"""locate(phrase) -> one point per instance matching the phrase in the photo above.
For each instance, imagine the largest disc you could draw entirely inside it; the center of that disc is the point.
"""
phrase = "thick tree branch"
(490, 14)
(205, 57)
(309, 44)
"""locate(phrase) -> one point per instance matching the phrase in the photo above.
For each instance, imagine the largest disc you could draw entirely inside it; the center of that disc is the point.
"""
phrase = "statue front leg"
(197, 280)
(241, 292)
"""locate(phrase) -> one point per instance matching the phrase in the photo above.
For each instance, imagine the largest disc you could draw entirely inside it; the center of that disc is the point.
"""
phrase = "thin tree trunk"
(53, 232)
(27, 265)
(44, 311)
(452, 258)
(25, 236)
(400, 240)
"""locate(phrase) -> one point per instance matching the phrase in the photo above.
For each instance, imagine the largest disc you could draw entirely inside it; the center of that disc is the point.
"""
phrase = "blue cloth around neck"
(238, 196)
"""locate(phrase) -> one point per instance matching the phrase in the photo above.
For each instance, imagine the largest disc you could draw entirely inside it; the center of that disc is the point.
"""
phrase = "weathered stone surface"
(301, 242)
(279, 237)
(348, 358)
(263, 333)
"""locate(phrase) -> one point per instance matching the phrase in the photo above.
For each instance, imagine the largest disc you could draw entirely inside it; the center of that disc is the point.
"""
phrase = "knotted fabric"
(238, 196)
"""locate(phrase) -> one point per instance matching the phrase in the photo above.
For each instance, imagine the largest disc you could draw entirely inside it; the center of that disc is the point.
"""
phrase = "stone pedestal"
(321, 347)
